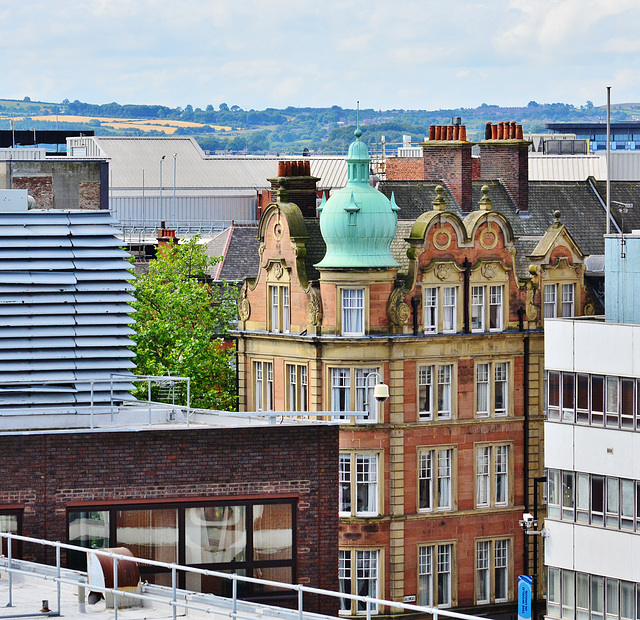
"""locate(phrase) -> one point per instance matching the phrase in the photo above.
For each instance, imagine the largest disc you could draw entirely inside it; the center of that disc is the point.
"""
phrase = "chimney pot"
(500, 130)
(463, 133)
(432, 132)
(449, 132)
(281, 169)
(487, 131)
(456, 132)
(494, 132)
(519, 135)
(436, 132)
(512, 131)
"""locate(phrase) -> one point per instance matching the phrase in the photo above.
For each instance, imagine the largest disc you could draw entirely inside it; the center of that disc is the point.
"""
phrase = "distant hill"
(288, 130)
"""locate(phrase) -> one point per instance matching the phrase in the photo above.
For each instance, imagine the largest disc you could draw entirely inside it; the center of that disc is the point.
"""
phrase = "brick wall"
(89, 196)
(507, 161)
(40, 187)
(450, 162)
(404, 169)
(44, 473)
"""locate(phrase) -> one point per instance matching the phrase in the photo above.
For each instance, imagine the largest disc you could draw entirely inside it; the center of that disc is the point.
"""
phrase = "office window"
(10, 523)
(352, 312)
(435, 476)
(550, 301)
(297, 383)
(343, 398)
(436, 397)
(486, 308)
(251, 537)
(363, 581)
(492, 571)
(439, 309)
(492, 475)
(477, 308)
(492, 389)
(558, 300)
(567, 300)
(449, 309)
(435, 567)
(280, 312)
(359, 490)
(430, 302)
(263, 382)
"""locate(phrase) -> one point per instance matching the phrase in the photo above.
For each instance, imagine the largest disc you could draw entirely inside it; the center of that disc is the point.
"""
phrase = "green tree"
(182, 321)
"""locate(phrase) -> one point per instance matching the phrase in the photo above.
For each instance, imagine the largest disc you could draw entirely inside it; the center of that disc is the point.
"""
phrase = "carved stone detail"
(442, 271)
(489, 270)
(532, 311)
(398, 311)
(314, 308)
(244, 307)
(277, 270)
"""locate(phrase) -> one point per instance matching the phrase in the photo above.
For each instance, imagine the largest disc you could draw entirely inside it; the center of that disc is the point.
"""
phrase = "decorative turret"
(358, 222)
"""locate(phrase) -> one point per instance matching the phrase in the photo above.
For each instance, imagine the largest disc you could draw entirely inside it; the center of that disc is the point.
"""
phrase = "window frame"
(251, 560)
(433, 476)
(263, 385)
(497, 466)
(358, 311)
(352, 482)
(493, 562)
(440, 316)
(16, 512)
(350, 607)
(297, 387)
(436, 551)
(352, 394)
(279, 304)
(497, 378)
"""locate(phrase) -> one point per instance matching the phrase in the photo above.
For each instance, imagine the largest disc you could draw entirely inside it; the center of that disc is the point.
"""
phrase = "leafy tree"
(181, 323)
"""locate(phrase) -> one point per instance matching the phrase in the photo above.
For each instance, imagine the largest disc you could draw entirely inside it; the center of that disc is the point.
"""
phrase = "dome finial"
(358, 132)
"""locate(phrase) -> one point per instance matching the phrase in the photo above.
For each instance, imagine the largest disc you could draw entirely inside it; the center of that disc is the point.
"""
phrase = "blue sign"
(524, 597)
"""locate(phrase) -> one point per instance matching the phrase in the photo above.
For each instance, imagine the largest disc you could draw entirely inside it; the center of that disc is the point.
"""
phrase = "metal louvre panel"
(64, 310)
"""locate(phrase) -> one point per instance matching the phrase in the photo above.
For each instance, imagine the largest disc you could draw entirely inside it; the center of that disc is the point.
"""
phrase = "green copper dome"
(358, 223)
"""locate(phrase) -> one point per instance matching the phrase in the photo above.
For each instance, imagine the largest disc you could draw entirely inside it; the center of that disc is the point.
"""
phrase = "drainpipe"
(415, 302)
(526, 429)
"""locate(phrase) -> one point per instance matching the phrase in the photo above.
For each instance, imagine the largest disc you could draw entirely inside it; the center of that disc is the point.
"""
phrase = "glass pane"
(86, 529)
(597, 399)
(215, 534)
(150, 534)
(216, 585)
(283, 574)
(272, 532)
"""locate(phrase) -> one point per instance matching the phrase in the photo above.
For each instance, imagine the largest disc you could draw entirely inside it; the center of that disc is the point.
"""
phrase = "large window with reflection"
(10, 523)
(254, 538)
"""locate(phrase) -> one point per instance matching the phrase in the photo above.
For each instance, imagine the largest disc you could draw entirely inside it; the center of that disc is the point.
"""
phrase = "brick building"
(448, 310)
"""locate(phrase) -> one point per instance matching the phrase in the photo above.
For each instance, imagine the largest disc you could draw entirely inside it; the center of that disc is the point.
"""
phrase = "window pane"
(444, 478)
(582, 498)
(150, 534)
(597, 500)
(597, 399)
(495, 308)
(568, 495)
(612, 401)
(568, 402)
(86, 529)
(568, 594)
(482, 390)
(345, 483)
(353, 311)
(425, 392)
(582, 398)
(430, 297)
(501, 475)
(426, 480)
(550, 308)
(477, 308)
(482, 476)
(444, 392)
(344, 578)
(215, 534)
(553, 397)
(501, 388)
(554, 493)
(449, 309)
(366, 483)
(425, 576)
(626, 403)
(366, 577)
(502, 570)
(272, 532)
(553, 592)
(482, 571)
(444, 575)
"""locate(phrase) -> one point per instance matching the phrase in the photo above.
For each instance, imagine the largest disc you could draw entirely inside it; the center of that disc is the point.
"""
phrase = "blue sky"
(412, 54)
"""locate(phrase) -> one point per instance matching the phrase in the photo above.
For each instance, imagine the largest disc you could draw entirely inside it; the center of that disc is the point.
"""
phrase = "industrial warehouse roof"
(131, 159)
(64, 309)
(625, 166)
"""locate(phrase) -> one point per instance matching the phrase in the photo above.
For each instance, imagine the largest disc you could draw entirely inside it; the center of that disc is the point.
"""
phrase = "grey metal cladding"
(65, 321)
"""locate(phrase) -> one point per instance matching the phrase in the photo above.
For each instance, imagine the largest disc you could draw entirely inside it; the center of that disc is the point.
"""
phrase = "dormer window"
(280, 313)
(352, 311)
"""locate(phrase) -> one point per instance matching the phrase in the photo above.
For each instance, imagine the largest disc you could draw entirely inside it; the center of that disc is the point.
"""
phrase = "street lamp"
(173, 217)
(380, 391)
(161, 161)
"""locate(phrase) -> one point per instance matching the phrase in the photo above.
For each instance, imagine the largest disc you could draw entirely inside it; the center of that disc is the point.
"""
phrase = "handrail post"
(10, 567)
(115, 588)
(368, 609)
(91, 409)
(300, 602)
(174, 589)
(188, 399)
(58, 584)
(234, 590)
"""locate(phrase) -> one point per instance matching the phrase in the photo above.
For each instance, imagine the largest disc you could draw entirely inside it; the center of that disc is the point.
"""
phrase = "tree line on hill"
(320, 130)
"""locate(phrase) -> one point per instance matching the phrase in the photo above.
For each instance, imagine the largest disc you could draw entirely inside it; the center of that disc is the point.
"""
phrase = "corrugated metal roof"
(129, 157)
(625, 166)
(64, 309)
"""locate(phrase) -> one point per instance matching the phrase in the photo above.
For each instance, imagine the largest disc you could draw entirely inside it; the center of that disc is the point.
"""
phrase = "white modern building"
(592, 450)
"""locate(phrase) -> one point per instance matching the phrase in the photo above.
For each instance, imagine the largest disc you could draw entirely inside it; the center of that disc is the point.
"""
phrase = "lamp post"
(161, 162)
(380, 391)
(173, 216)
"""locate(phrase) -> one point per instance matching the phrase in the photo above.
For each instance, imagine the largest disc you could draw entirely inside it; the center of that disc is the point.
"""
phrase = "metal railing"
(182, 599)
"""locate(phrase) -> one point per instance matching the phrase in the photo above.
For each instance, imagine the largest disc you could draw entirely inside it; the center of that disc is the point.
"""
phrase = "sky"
(398, 54)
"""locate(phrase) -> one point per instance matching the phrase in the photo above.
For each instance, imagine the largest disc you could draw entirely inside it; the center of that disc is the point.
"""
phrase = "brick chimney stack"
(447, 157)
(294, 183)
(504, 155)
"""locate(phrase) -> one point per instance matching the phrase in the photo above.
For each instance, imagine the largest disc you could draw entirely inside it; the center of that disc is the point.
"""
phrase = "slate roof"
(316, 247)
(241, 259)
(627, 192)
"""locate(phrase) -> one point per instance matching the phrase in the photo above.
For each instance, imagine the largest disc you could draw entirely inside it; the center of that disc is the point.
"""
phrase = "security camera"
(527, 517)
(381, 392)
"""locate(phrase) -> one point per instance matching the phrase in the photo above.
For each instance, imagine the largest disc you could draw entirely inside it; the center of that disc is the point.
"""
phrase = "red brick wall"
(404, 169)
(89, 196)
(509, 162)
(46, 472)
(451, 163)
(41, 188)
